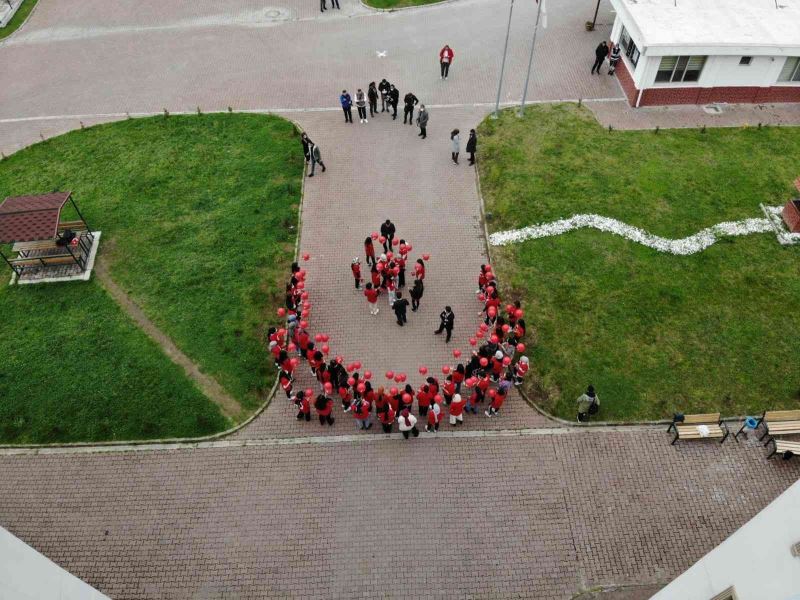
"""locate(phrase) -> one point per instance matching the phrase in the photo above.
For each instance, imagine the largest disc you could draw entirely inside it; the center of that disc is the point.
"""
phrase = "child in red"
(521, 370)
(285, 379)
(375, 276)
(372, 299)
(434, 414)
(355, 267)
(369, 250)
(324, 406)
(386, 416)
(304, 405)
(449, 390)
(344, 394)
(497, 402)
(424, 400)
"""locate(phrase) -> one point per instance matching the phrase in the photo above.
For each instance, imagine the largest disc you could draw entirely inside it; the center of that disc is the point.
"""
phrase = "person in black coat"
(387, 231)
(472, 146)
(384, 87)
(410, 101)
(307, 143)
(416, 294)
(600, 54)
(448, 319)
(394, 97)
(399, 308)
(372, 96)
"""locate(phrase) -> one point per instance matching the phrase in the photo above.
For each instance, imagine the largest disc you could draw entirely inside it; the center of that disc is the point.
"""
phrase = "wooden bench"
(71, 225)
(783, 446)
(779, 422)
(689, 427)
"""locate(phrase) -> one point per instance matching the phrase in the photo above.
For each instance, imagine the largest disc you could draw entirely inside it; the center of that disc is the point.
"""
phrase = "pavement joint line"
(314, 440)
(115, 115)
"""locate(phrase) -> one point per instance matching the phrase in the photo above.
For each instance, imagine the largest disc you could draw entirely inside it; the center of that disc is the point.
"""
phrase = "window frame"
(630, 49)
(794, 75)
(745, 61)
(677, 73)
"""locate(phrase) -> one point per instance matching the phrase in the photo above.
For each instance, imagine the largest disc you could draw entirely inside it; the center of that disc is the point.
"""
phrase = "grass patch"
(398, 3)
(655, 333)
(198, 215)
(18, 19)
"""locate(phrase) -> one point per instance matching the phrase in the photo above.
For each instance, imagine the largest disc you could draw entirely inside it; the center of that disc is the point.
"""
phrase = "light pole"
(503, 64)
(530, 61)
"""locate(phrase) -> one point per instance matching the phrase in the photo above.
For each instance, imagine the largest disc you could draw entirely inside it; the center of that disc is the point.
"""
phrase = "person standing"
(372, 96)
(387, 231)
(447, 321)
(306, 146)
(409, 101)
(600, 54)
(369, 250)
(472, 146)
(434, 415)
(386, 416)
(419, 269)
(322, 6)
(407, 424)
(361, 106)
(399, 308)
(613, 59)
(456, 145)
(394, 96)
(355, 267)
(588, 404)
(316, 157)
(347, 106)
(416, 294)
(303, 405)
(372, 299)
(335, 4)
(422, 121)
(324, 406)
(384, 87)
(446, 56)
(457, 410)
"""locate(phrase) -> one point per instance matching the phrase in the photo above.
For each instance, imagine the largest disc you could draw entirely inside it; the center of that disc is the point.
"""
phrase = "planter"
(589, 26)
(791, 215)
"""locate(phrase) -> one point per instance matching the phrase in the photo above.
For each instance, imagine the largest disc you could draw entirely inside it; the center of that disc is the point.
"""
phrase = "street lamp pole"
(530, 61)
(503, 64)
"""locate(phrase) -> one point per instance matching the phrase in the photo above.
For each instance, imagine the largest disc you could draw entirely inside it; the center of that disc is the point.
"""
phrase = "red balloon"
(492, 311)
(506, 328)
(518, 313)
(308, 393)
(494, 339)
(350, 368)
(472, 341)
(489, 268)
(445, 369)
(403, 376)
(318, 337)
(362, 387)
(295, 361)
(307, 305)
(520, 347)
(484, 327)
(506, 360)
(438, 398)
(398, 378)
(470, 382)
(393, 391)
(457, 353)
(510, 309)
(281, 332)
(423, 370)
(357, 365)
(407, 398)
(389, 255)
(379, 267)
(304, 324)
(408, 248)
(367, 374)
(304, 295)
(328, 387)
(339, 359)
(389, 374)
(484, 362)
(306, 256)
(426, 256)
(291, 347)
(326, 349)
(492, 393)
(281, 312)
(481, 297)
(375, 235)
(395, 242)
(381, 239)
(301, 285)
(490, 276)
(325, 337)
(351, 381)
(479, 334)
(305, 314)
(301, 274)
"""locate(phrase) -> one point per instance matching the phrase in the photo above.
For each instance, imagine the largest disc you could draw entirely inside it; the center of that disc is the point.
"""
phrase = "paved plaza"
(514, 506)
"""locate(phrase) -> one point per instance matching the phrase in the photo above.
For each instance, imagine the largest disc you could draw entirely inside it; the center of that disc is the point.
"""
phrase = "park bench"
(779, 422)
(698, 427)
(783, 447)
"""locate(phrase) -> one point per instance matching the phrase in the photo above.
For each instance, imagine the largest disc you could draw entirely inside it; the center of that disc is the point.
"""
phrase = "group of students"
(489, 374)
(389, 96)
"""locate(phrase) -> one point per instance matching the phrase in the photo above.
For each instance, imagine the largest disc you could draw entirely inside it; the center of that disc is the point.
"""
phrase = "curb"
(405, 8)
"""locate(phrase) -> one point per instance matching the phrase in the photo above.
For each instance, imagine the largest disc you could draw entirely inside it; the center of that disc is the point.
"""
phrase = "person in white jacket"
(407, 423)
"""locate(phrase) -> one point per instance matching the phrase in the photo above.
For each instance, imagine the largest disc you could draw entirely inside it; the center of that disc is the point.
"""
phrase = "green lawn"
(655, 333)
(398, 3)
(198, 215)
(18, 18)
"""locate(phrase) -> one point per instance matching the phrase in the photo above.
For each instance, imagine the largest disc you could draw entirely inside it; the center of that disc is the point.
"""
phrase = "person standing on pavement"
(387, 231)
(456, 410)
(324, 406)
(613, 59)
(416, 294)
(472, 146)
(447, 321)
(446, 56)
(407, 424)
(410, 101)
(399, 308)
(347, 106)
(384, 87)
(386, 416)
(361, 105)
(600, 54)
(394, 96)
(355, 267)
(335, 4)
(316, 157)
(422, 121)
(372, 299)
(372, 96)
(322, 6)
(369, 250)
(456, 145)
(419, 269)
(306, 146)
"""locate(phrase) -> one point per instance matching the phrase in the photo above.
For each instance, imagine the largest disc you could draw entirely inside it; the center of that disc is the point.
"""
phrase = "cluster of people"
(605, 50)
(389, 96)
(312, 153)
(472, 145)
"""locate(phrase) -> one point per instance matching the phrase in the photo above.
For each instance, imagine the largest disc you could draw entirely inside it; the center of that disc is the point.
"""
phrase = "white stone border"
(681, 247)
(84, 276)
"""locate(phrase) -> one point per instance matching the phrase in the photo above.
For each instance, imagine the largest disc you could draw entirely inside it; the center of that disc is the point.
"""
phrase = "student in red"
(303, 342)
(407, 398)
(497, 365)
(285, 379)
(372, 299)
(446, 56)
(424, 400)
(456, 410)
(482, 279)
(434, 416)
(324, 406)
(275, 350)
(500, 396)
(394, 400)
(448, 390)
(361, 412)
(419, 269)
(346, 397)
(433, 384)
(458, 377)
(315, 361)
(521, 370)
(355, 267)
(376, 277)
(369, 250)
(400, 263)
(386, 416)
(304, 406)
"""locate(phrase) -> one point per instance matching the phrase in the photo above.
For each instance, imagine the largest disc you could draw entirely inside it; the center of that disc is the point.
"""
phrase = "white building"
(760, 561)
(703, 51)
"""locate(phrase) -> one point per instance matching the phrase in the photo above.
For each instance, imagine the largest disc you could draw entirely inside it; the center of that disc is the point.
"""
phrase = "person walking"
(394, 96)
(322, 6)
(472, 146)
(416, 294)
(448, 319)
(399, 308)
(384, 87)
(419, 269)
(434, 416)
(588, 404)
(347, 106)
(303, 403)
(613, 59)
(372, 96)
(361, 105)
(422, 121)
(446, 56)
(361, 413)
(387, 231)
(409, 101)
(306, 146)
(456, 145)
(335, 4)
(407, 424)
(372, 299)
(316, 157)
(600, 54)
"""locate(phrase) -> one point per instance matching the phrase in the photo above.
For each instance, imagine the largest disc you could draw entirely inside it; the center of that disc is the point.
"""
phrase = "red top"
(376, 278)
(446, 54)
(419, 270)
(327, 410)
(456, 407)
(387, 417)
(369, 249)
(356, 268)
(498, 399)
(458, 377)
(305, 405)
(522, 368)
(372, 295)
(449, 388)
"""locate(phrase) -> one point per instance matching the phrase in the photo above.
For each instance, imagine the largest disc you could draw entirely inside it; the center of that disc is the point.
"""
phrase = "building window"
(677, 69)
(745, 60)
(627, 43)
(791, 70)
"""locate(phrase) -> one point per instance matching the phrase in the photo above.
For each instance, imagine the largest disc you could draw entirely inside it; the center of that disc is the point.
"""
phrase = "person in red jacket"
(375, 276)
(424, 399)
(448, 390)
(386, 416)
(324, 406)
(372, 299)
(497, 402)
(355, 267)
(285, 379)
(446, 56)
(361, 412)
(304, 406)
(434, 417)
(346, 397)
(456, 410)
(419, 269)
(369, 250)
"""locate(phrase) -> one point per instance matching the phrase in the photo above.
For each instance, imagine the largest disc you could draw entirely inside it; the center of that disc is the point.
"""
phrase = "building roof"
(31, 218)
(721, 23)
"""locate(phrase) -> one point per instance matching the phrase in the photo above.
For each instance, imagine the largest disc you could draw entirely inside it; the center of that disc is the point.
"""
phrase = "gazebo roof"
(31, 218)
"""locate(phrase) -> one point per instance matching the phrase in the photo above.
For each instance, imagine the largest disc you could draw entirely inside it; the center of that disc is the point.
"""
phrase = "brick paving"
(542, 516)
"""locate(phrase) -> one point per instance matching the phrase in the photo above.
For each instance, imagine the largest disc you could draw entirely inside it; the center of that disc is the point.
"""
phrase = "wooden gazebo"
(40, 240)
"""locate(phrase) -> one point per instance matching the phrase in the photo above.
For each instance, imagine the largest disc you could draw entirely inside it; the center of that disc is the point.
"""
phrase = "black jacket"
(417, 291)
(387, 229)
(410, 99)
(372, 93)
(601, 51)
(472, 143)
(395, 96)
(383, 87)
(448, 319)
(400, 306)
